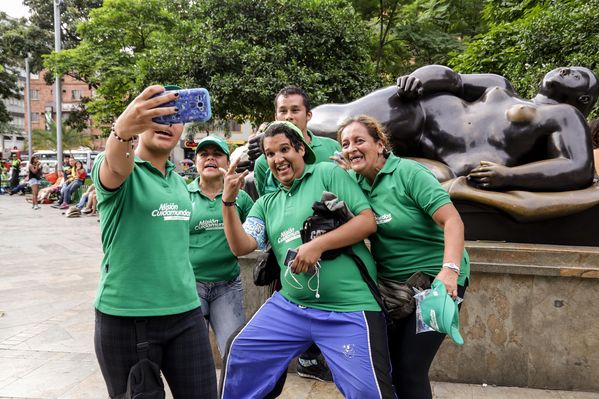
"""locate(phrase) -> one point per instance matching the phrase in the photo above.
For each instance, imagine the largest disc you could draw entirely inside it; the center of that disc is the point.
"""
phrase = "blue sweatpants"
(354, 345)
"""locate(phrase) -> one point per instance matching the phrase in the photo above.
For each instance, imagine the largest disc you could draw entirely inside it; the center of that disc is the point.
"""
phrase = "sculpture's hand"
(409, 87)
(253, 153)
(490, 176)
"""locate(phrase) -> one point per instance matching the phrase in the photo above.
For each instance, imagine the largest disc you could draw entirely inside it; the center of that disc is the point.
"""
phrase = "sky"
(14, 8)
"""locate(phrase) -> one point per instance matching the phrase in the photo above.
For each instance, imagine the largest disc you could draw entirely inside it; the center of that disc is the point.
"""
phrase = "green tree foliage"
(115, 39)
(407, 34)
(243, 52)
(321, 46)
(71, 138)
(17, 39)
(528, 39)
(72, 12)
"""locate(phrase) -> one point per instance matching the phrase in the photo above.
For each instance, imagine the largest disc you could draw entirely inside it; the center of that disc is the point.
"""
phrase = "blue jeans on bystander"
(222, 306)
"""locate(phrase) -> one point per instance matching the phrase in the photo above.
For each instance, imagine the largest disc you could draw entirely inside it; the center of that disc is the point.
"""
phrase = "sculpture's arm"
(432, 79)
(569, 157)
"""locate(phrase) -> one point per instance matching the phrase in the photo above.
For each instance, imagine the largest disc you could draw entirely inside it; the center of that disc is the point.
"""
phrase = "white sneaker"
(36, 207)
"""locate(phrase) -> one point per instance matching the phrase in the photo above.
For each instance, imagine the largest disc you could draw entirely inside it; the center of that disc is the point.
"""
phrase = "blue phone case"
(193, 104)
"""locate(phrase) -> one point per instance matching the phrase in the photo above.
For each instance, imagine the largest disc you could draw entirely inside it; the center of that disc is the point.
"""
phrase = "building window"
(76, 94)
(35, 94)
(35, 117)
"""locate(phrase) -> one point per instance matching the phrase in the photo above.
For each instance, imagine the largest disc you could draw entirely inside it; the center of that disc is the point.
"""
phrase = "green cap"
(214, 140)
(309, 156)
(440, 312)
(172, 87)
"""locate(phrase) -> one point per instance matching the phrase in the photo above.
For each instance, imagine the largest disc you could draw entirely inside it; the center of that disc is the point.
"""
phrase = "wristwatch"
(228, 203)
(452, 266)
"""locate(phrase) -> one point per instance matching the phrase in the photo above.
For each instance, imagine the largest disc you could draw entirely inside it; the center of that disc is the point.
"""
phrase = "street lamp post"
(58, 85)
(28, 96)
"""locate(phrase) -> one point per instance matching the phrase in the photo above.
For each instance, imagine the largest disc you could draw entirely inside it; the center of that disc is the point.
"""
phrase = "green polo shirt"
(145, 237)
(341, 286)
(209, 252)
(323, 148)
(404, 196)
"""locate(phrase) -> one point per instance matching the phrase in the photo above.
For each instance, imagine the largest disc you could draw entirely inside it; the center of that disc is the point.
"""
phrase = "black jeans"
(179, 345)
(412, 355)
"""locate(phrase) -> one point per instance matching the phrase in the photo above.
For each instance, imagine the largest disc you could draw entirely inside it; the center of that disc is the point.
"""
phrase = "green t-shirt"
(145, 237)
(341, 286)
(404, 196)
(209, 252)
(323, 148)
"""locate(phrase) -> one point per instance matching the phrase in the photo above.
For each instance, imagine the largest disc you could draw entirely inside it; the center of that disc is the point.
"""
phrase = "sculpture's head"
(577, 86)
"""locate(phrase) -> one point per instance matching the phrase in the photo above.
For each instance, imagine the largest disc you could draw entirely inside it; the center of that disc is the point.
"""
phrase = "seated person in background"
(4, 180)
(73, 185)
(21, 187)
(475, 125)
(44, 194)
(91, 207)
(85, 197)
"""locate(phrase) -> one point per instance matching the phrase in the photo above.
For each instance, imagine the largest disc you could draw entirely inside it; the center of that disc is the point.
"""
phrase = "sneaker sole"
(311, 376)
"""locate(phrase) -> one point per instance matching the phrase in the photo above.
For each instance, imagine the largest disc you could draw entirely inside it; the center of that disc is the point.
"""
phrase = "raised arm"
(136, 119)
(239, 241)
(432, 79)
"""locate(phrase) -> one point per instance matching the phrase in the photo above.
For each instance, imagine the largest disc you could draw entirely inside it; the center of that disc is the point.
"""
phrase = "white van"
(86, 157)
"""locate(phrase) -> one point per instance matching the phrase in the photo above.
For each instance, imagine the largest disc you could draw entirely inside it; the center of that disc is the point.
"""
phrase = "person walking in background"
(146, 277)
(35, 176)
(418, 230)
(216, 268)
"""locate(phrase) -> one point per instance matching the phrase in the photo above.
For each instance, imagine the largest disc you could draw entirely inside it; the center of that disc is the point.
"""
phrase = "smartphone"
(290, 256)
(193, 105)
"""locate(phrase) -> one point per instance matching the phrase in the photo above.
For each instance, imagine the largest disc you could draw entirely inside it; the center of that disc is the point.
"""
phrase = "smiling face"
(364, 154)
(291, 108)
(208, 161)
(162, 141)
(285, 162)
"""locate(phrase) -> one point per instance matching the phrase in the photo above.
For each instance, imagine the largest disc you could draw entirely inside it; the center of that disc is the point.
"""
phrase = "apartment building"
(43, 103)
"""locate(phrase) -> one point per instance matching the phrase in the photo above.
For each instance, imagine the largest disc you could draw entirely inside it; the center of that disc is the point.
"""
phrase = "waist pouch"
(399, 297)
(266, 269)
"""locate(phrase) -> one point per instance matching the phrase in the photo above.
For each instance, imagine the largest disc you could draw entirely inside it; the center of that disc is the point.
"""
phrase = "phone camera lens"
(200, 105)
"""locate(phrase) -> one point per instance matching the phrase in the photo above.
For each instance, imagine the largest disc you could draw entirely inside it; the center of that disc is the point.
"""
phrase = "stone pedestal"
(529, 319)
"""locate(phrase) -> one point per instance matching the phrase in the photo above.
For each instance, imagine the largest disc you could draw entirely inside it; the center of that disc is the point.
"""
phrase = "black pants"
(178, 344)
(412, 355)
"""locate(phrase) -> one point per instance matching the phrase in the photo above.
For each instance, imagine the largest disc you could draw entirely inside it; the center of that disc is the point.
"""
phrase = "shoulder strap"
(141, 339)
(374, 289)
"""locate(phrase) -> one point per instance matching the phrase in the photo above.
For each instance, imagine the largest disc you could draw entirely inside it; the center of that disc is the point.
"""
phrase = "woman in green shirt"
(418, 230)
(215, 267)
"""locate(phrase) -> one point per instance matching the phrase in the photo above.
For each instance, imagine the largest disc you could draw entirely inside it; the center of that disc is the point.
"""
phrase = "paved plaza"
(49, 267)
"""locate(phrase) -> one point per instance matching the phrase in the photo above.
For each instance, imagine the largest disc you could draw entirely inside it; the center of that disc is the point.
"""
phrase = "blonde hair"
(373, 127)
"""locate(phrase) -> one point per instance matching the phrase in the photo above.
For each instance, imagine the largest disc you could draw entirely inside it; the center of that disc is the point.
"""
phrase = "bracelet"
(452, 266)
(228, 203)
(122, 140)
